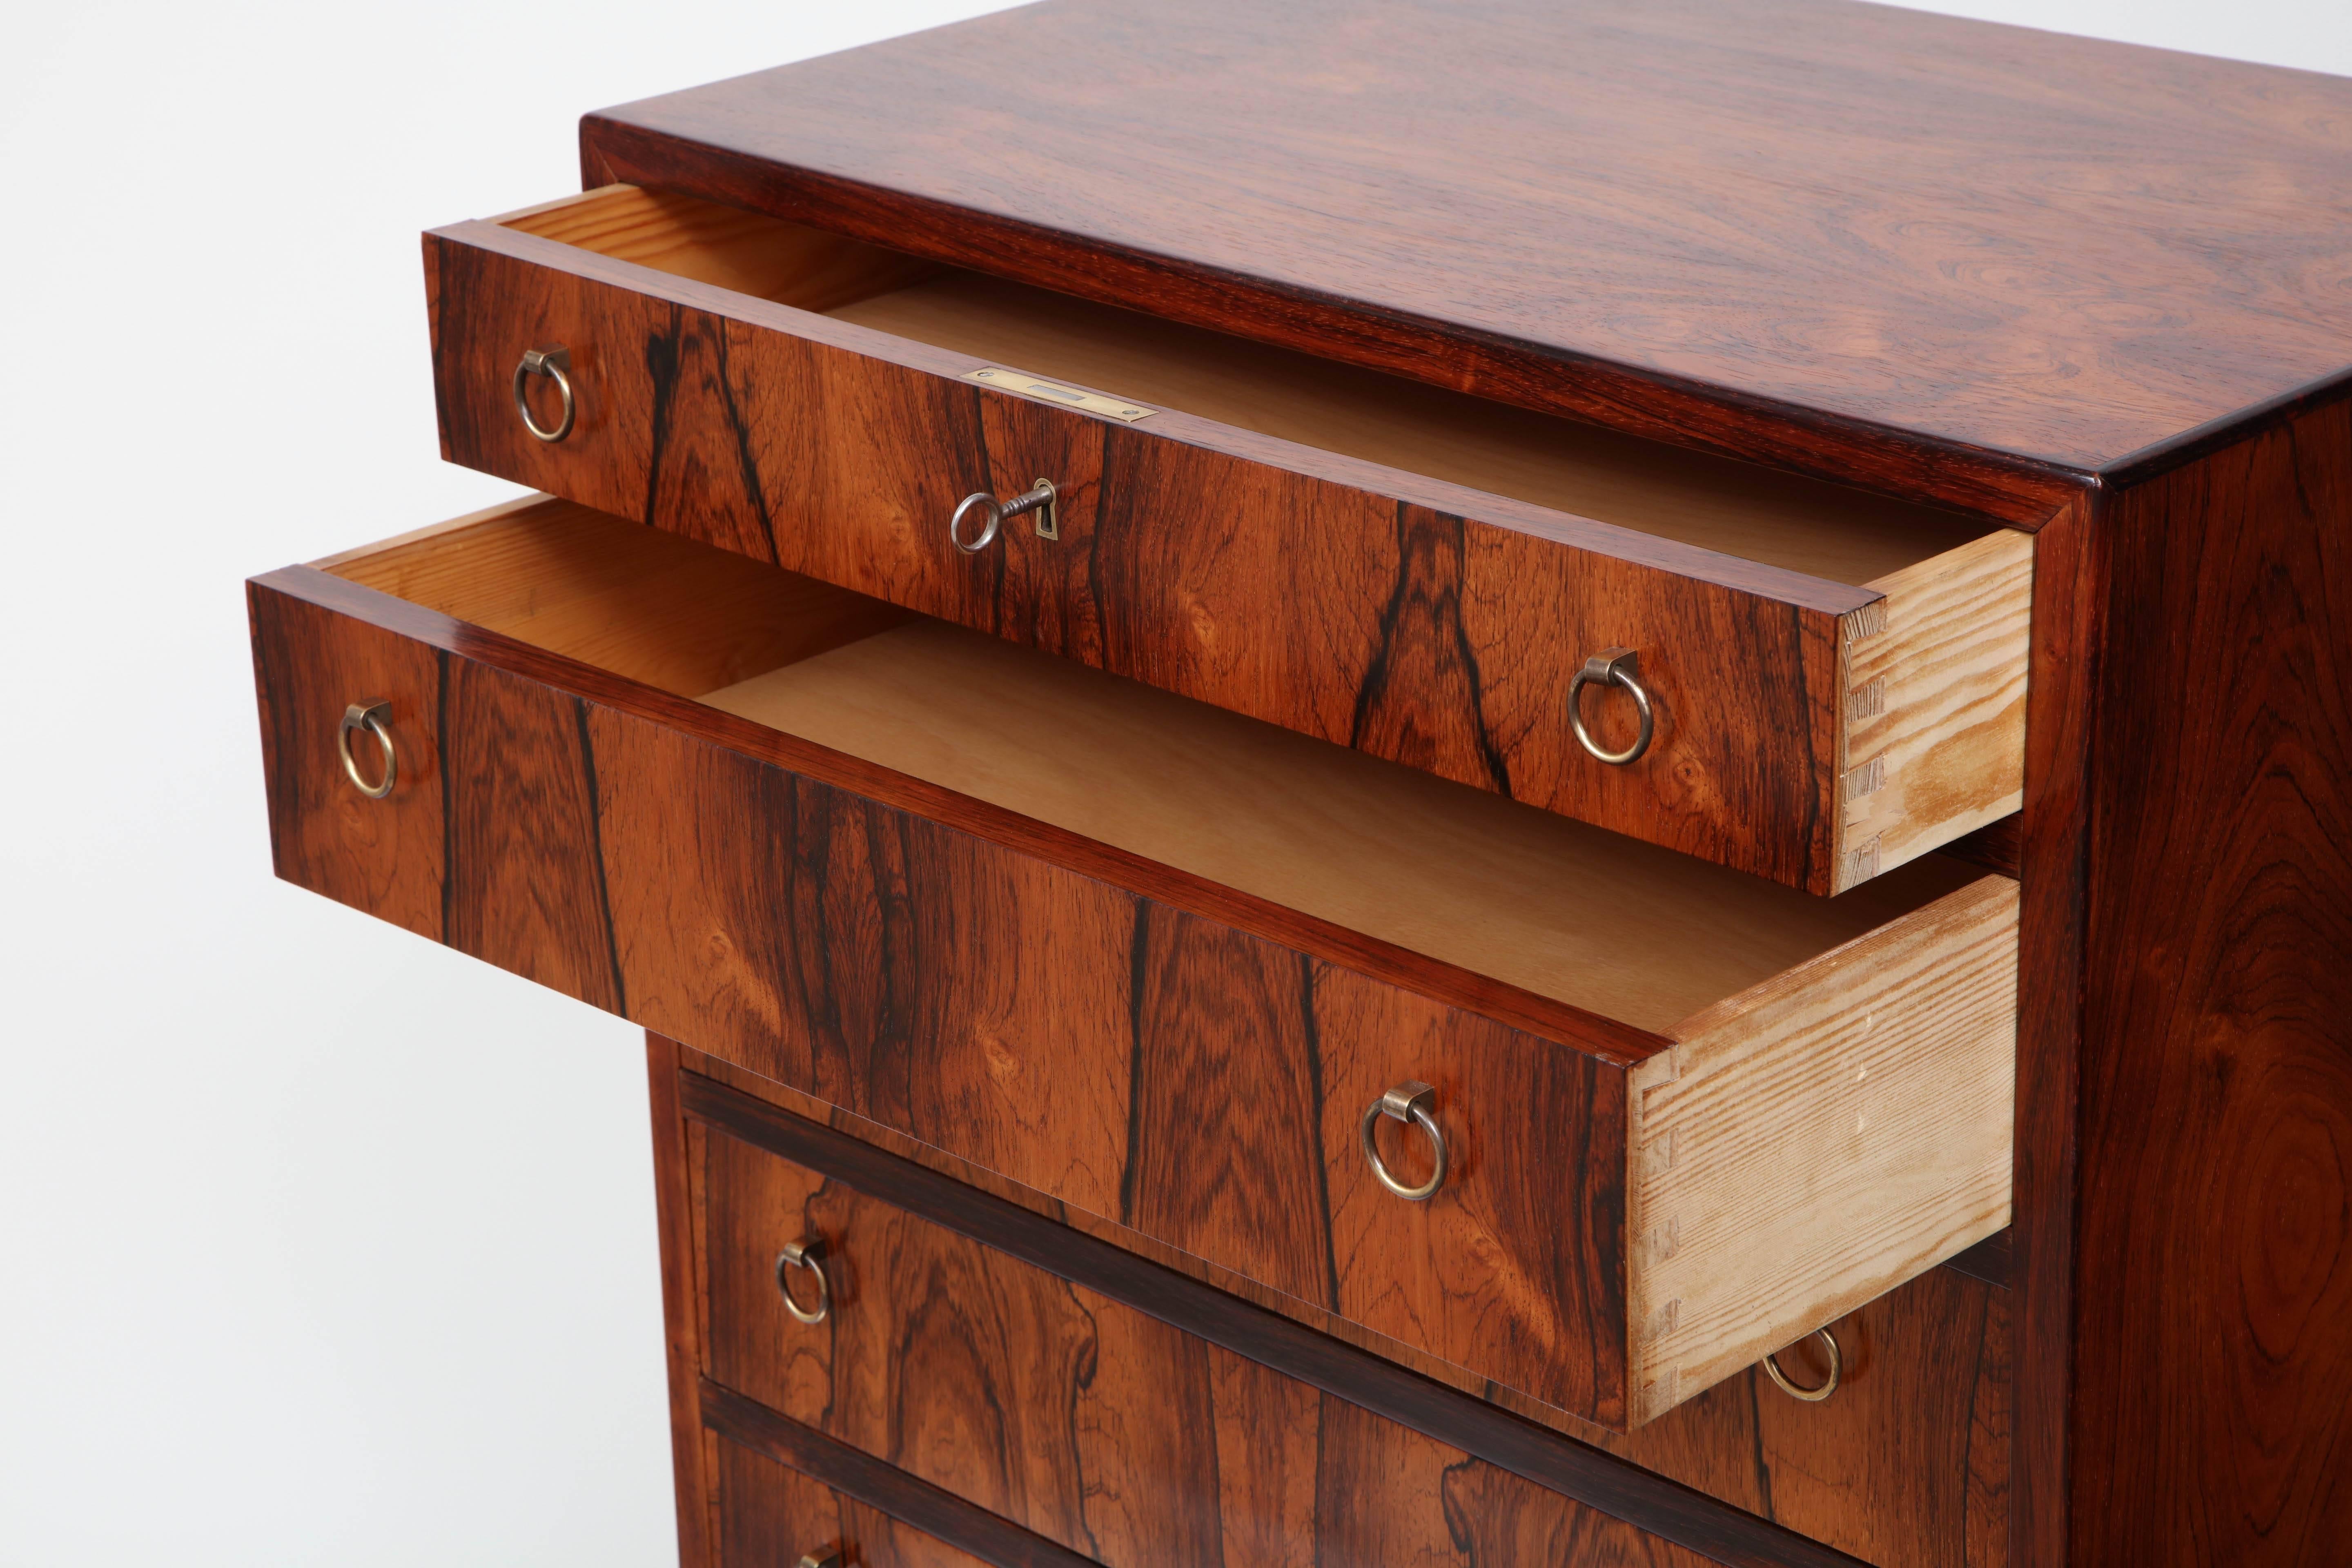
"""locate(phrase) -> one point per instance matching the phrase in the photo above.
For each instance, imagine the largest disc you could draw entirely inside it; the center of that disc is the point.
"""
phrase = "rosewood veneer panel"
(1947, 259)
(1054, 1383)
(1407, 617)
(2211, 1411)
(1907, 1467)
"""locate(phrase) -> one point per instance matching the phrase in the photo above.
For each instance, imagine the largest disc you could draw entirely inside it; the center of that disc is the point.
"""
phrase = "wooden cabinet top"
(1968, 263)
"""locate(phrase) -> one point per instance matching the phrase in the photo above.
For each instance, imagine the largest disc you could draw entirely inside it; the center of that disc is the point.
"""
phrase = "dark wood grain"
(848, 1472)
(1411, 619)
(2210, 1416)
(771, 1516)
(699, 1531)
(1061, 1383)
(1998, 847)
(1907, 1465)
(303, 738)
(1813, 233)
(1988, 1260)
(2054, 868)
(1077, 1037)
(382, 855)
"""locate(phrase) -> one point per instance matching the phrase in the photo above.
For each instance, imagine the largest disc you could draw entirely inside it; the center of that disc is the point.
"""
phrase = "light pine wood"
(1933, 728)
(1618, 927)
(1623, 929)
(679, 616)
(1740, 508)
(1806, 1146)
(1803, 525)
(807, 269)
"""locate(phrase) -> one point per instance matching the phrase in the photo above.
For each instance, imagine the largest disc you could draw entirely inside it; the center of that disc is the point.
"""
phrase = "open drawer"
(1835, 682)
(1160, 960)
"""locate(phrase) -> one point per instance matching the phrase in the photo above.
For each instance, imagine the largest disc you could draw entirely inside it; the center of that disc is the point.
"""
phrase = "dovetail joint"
(1867, 779)
(1861, 865)
(1867, 700)
(1866, 622)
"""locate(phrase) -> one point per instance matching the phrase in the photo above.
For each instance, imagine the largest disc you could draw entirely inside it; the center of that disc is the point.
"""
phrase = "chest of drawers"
(1406, 783)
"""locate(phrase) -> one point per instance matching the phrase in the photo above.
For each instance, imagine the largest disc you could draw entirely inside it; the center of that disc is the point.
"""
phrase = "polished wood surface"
(2055, 873)
(1639, 934)
(1123, 1411)
(1402, 615)
(2212, 1330)
(1905, 1467)
(1738, 509)
(1069, 1033)
(1081, 1038)
(700, 1530)
(1816, 232)
(785, 1491)
(1626, 929)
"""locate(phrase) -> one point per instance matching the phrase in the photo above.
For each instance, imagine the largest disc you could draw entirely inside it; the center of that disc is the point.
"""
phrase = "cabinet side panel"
(2212, 1391)
(682, 1312)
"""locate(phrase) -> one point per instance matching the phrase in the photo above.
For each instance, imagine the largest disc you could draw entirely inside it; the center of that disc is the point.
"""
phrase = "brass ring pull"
(1611, 666)
(1826, 1387)
(824, 1557)
(808, 1254)
(556, 362)
(1038, 497)
(374, 716)
(1411, 1103)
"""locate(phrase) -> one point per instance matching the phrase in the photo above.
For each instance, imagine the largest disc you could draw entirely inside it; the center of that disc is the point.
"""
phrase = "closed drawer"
(1159, 960)
(771, 1516)
(1904, 1464)
(1837, 681)
(1060, 1385)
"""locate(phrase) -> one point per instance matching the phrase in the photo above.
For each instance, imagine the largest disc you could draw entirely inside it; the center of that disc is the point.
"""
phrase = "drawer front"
(771, 1516)
(1904, 1464)
(1805, 731)
(1138, 1059)
(1110, 1431)
(1625, 1221)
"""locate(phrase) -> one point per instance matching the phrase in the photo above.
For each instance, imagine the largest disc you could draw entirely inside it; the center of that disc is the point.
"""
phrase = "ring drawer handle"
(556, 362)
(1821, 1390)
(374, 716)
(1038, 497)
(1410, 1103)
(1611, 666)
(823, 1557)
(808, 1254)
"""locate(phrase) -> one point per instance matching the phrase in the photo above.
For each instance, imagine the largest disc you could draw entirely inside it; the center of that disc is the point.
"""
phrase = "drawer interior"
(1619, 928)
(1821, 530)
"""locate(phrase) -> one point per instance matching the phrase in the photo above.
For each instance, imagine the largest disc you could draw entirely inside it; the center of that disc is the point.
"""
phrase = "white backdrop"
(317, 1243)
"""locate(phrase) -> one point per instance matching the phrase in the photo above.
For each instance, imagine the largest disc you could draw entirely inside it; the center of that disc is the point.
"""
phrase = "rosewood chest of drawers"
(1492, 784)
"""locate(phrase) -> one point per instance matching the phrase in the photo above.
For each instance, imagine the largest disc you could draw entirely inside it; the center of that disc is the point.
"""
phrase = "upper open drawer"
(1835, 682)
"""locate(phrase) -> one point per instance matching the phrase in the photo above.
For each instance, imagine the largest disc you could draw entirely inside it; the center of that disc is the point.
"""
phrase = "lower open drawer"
(1168, 964)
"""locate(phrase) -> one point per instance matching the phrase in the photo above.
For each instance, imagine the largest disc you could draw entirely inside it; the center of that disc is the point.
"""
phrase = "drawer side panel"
(1811, 1144)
